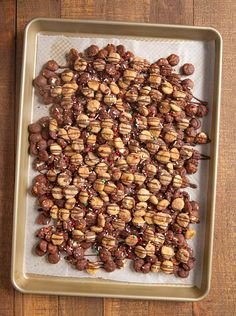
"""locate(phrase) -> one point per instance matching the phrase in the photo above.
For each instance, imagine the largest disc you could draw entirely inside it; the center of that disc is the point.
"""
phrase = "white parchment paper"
(201, 54)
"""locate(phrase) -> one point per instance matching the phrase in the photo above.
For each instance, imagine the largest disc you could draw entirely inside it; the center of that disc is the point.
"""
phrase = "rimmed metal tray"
(30, 283)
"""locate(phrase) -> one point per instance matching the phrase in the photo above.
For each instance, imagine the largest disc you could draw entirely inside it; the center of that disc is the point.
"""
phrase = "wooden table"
(219, 14)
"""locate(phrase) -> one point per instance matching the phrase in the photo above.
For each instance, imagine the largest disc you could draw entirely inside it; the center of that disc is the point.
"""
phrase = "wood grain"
(219, 14)
(33, 305)
(222, 16)
(7, 118)
(118, 10)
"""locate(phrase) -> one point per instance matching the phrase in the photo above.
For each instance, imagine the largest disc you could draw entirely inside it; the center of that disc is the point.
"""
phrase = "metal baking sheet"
(34, 283)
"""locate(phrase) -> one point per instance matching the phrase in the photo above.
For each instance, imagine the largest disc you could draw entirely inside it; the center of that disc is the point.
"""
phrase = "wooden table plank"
(222, 297)
(32, 305)
(7, 118)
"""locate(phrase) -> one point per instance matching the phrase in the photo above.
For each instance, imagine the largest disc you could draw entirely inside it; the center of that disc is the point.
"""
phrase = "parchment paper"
(201, 54)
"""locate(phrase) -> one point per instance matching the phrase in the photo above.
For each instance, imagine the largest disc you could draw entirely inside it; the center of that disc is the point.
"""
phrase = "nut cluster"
(114, 156)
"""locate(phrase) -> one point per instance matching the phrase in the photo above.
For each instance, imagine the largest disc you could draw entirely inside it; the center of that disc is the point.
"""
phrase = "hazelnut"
(95, 126)
(144, 100)
(163, 156)
(177, 204)
(188, 69)
(165, 178)
(73, 133)
(114, 88)
(98, 185)
(70, 191)
(129, 74)
(57, 193)
(67, 75)
(167, 88)
(70, 203)
(177, 181)
(167, 252)
(83, 196)
(108, 242)
(55, 149)
(78, 145)
(113, 58)
(154, 186)
(54, 212)
(162, 204)
(57, 239)
(140, 252)
(125, 215)
(182, 255)
(110, 99)
(138, 221)
(80, 64)
(183, 219)
(131, 240)
(76, 159)
(143, 195)
(64, 214)
(93, 84)
(145, 136)
(156, 267)
(93, 106)
(167, 266)
(139, 178)
(124, 129)
(173, 59)
(107, 133)
(162, 219)
(96, 202)
(82, 120)
(150, 249)
(113, 209)
(83, 171)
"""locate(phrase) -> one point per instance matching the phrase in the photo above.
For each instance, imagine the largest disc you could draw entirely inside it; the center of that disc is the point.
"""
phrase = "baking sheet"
(201, 54)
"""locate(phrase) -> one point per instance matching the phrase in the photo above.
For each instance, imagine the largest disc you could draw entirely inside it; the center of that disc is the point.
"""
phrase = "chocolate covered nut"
(57, 239)
(182, 255)
(162, 219)
(140, 252)
(167, 266)
(183, 273)
(173, 59)
(188, 69)
(167, 252)
(53, 258)
(156, 267)
(92, 267)
(183, 219)
(177, 204)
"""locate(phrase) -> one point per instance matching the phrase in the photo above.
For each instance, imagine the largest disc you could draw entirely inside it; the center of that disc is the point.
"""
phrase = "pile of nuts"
(113, 159)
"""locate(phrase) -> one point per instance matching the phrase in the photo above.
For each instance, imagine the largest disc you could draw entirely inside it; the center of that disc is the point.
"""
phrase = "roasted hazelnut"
(183, 220)
(67, 75)
(167, 266)
(113, 58)
(99, 65)
(80, 64)
(188, 69)
(162, 219)
(167, 252)
(82, 120)
(173, 59)
(93, 106)
(140, 252)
